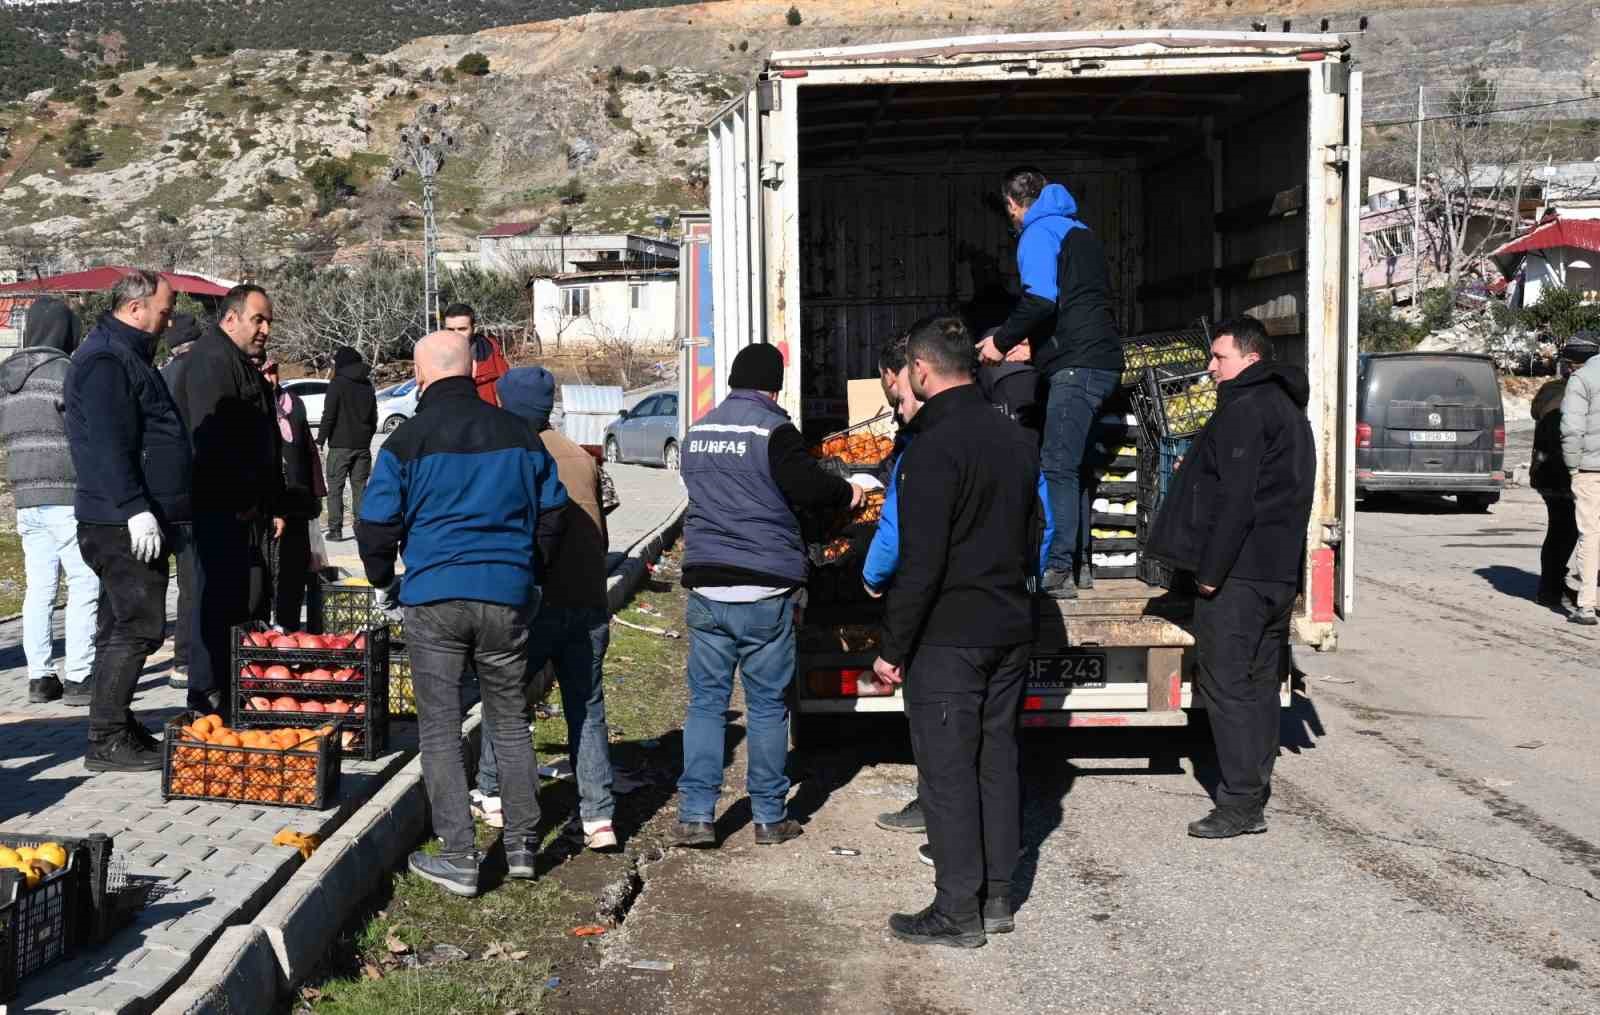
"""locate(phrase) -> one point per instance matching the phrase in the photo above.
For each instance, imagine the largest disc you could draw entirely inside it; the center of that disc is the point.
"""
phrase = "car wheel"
(669, 455)
(613, 453)
(1476, 503)
(391, 423)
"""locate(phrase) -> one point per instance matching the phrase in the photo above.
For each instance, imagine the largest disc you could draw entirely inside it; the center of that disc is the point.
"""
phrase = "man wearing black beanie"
(744, 563)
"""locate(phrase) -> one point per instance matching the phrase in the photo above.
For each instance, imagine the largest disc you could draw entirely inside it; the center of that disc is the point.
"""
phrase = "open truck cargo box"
(855, 190)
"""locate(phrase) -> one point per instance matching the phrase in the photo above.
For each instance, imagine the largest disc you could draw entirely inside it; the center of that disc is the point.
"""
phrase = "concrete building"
(520, 247)
(636, 305)
(1559, 251)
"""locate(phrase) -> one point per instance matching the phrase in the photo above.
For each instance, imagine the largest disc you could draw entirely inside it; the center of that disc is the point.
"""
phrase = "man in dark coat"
(349, 421)
(181, 335)
(33, 431)
(1548, 475)
(957, 631)
(1236, 517)
(132, 456)
(238, 482)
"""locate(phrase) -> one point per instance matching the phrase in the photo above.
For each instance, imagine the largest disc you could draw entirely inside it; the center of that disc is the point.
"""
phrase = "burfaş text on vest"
(749, 479)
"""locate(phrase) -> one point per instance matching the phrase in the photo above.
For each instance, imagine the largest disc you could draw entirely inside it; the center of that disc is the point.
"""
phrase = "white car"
(311, 391)
(396, 405)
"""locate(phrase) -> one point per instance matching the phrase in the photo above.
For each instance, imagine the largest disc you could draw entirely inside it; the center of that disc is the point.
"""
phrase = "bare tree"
(167, 247)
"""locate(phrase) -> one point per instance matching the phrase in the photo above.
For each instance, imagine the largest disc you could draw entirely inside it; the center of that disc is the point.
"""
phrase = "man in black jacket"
(1066, 313)
(349, 421)
(131, 454)
(238, 482)
(957, 631)
(1236, 516)
(1548, 475)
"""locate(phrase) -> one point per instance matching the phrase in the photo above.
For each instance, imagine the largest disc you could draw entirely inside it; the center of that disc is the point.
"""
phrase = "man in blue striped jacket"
(465, 491)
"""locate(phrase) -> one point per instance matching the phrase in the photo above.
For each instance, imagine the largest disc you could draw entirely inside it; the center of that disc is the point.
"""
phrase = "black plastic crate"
(1174, 403)
(370, 691)
(1128, 544)
(402, 695)
(1122, 493)
(1112, 573)
(1155, 572)
(351, 607)
(195, 770)
(68, 909)
(1190, 347)
(1159, 460)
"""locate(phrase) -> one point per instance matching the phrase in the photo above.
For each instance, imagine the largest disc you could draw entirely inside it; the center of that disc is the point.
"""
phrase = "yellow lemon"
(8, 857)
(53, 852)
(27, 852)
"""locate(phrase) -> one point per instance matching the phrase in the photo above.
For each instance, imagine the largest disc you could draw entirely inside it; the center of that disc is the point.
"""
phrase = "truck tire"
(1476, 503)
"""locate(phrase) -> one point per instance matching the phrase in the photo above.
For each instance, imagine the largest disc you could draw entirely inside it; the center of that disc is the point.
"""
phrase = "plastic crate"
(370, 690)
(1159, 459)
(193, 770)
(349, 605)
(68, 909)
(863, 446)
(1172, 403)
(1187, 348)
(402, 695)
(1112, 573)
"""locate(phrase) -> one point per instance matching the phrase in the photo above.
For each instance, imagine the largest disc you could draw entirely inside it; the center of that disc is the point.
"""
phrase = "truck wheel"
(1476, 503)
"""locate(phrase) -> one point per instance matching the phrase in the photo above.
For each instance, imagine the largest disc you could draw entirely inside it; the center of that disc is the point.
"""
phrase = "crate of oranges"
(292, 767)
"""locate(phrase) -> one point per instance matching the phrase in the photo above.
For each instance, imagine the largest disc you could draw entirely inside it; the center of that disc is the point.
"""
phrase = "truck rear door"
(737, 293)
(1344, 545)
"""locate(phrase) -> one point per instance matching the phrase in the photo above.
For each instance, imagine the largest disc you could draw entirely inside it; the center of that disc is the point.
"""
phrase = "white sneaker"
(487, 809)
(599, 835)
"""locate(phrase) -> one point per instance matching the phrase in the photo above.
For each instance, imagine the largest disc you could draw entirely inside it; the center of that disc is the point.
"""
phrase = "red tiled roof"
(103, 279)
(511, 229)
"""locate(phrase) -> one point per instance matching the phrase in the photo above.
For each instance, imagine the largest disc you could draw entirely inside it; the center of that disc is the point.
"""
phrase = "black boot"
(1227, 822)
(931, 927)
(997, 918)
(907, 819)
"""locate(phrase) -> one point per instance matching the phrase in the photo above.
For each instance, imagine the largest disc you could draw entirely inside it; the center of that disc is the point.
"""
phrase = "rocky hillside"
(595, 117)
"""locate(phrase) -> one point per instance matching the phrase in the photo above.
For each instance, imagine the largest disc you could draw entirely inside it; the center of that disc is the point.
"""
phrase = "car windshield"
(401, 390)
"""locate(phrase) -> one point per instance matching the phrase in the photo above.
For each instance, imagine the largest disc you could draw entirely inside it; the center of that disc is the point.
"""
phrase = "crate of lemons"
(1186, 407)
(34, 863)
(1135, 358)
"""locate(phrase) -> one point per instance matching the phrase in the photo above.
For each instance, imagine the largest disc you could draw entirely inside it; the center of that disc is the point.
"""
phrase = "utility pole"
(423, 146)
(1416, 214)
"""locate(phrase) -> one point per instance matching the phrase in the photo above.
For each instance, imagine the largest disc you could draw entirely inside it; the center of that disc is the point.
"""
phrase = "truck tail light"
(1363, 435)
(1032, 703)
(1500, 437)
(846, 683)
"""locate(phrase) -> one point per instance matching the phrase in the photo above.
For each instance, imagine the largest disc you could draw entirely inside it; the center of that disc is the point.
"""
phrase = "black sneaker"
(121, 753)
(457, 875)
(778, 832)
(907, 819)
(925, 853)
(520, 861)
(45, 689)
(77, 693)
(1227, 822)
(997, 918)
(141, 733)
(931, 927)
(693, 834)
(1058, 585)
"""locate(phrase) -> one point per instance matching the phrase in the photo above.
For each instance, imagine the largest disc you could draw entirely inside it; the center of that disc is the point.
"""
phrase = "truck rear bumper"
(1429, 482)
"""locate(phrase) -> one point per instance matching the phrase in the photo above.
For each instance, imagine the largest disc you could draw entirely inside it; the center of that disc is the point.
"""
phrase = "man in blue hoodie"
(1065, 312)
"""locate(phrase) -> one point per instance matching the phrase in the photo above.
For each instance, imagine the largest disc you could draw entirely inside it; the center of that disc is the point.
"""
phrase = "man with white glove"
(131, 452)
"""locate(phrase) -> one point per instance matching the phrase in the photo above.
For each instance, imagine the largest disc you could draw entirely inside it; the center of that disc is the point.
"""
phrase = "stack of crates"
(1114, 507)
(350, 605)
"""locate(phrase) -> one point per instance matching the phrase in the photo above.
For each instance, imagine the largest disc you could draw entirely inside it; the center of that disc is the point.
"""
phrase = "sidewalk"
(215, 862)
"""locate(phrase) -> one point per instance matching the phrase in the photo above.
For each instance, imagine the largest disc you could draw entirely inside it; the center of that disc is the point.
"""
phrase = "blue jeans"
(1073, 401)
(575, 641)
(49, 546)
(758, 640)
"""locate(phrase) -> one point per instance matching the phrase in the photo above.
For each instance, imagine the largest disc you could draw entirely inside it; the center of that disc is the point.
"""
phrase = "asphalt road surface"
(1434, 842)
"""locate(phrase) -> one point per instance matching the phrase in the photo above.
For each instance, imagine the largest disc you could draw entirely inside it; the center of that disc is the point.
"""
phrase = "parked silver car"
(646, 433)
(396, 405)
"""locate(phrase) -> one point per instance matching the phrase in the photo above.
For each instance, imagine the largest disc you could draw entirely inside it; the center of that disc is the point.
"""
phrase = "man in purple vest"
(744, 563)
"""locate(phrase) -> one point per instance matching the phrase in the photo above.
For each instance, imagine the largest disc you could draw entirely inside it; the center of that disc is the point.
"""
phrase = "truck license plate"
(1066, 671)
(1433, 436)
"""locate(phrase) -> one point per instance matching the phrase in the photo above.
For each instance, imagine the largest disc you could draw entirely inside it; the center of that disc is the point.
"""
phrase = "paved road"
(1434, 843)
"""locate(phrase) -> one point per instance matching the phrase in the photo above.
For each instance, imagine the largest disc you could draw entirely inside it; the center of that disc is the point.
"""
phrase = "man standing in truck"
(1236, 517)
(1065, 312)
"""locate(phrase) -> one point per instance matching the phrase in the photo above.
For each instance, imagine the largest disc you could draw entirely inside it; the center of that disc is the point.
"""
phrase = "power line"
(1481, 112)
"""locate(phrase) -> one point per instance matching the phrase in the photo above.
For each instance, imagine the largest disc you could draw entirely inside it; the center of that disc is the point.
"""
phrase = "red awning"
(1556, 232)
(103, 279)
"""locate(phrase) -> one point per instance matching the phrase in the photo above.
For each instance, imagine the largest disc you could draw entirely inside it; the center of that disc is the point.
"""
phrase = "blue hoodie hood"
(1048, 221)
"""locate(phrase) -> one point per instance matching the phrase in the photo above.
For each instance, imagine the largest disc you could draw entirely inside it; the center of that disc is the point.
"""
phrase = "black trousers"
(294, 566)
(229, 579)
(354, 464)
(1560, 539)
(964, 706)
(183, 632)
(131, 624)
(1241, 637)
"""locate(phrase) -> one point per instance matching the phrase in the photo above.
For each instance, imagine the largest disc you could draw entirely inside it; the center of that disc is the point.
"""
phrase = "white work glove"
(387, 600)
(144, 533)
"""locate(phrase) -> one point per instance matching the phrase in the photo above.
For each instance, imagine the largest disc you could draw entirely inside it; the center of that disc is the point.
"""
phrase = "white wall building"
(518, 246)
(582, 307)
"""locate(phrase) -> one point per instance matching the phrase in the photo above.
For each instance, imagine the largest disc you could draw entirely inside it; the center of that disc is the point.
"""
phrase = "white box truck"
(854, 190)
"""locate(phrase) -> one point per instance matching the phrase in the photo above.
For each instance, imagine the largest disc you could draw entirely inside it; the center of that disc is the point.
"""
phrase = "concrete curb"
(293, 932)
(627, 575)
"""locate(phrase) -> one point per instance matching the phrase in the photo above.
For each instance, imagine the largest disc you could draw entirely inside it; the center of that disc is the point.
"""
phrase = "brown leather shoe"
(779, 831)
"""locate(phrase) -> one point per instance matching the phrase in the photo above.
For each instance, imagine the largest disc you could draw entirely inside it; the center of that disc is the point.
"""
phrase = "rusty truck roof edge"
(1036, 43)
